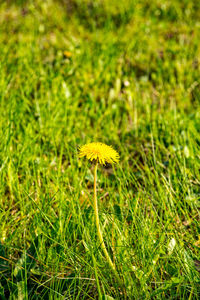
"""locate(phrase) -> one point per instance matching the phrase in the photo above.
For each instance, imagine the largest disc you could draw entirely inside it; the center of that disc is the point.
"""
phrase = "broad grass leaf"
(106, 297)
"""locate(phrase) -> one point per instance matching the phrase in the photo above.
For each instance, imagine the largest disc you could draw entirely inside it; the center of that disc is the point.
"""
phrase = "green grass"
(129, 78)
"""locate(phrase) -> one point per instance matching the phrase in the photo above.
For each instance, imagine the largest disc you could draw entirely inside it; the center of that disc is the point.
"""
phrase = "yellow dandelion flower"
(99, 152)
(102, 154)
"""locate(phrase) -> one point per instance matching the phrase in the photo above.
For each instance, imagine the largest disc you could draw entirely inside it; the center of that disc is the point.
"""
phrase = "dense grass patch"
(125, 73)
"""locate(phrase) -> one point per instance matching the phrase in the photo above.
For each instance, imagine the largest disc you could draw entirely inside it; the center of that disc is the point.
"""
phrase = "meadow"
(125, 73)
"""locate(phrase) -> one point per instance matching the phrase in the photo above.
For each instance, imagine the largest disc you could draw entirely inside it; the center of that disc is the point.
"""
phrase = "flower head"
(100, 152)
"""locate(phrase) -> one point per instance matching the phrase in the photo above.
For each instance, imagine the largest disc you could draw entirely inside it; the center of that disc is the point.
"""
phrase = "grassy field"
(126, 73)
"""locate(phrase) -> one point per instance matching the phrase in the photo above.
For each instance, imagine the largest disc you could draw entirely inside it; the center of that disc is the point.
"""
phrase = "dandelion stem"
(99, 233)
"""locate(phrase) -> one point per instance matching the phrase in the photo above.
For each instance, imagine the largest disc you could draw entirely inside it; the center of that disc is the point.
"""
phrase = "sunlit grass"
(126, 75)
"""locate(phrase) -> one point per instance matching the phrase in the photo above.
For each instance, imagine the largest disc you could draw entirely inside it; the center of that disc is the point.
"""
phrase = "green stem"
(99, 233)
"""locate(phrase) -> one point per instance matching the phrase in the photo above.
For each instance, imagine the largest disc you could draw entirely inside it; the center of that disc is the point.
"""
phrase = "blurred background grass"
(125, 73)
